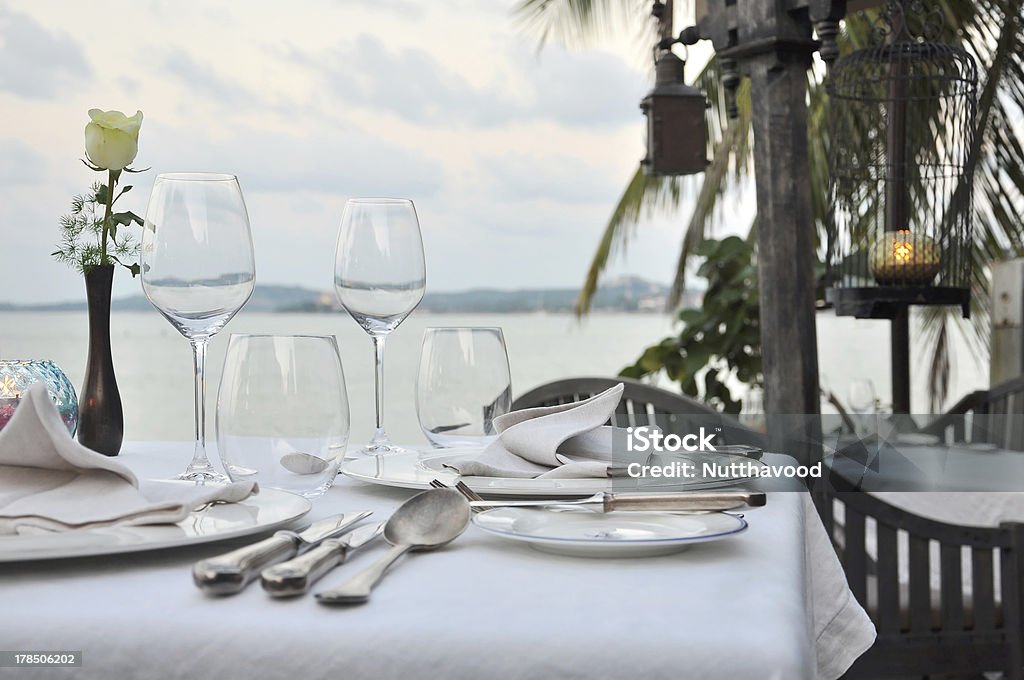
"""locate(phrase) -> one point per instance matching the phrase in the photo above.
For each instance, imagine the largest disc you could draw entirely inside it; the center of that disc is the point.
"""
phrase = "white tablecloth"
(953, 468)
(770, 603)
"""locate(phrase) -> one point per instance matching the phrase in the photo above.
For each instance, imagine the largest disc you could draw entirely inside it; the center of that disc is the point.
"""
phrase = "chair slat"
(919, 604)
(622, 416)
(983, 589)
(888, 580)
(855, 554)
(951, 587)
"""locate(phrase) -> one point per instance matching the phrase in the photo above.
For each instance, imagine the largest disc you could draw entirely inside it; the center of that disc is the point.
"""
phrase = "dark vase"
(100, 419)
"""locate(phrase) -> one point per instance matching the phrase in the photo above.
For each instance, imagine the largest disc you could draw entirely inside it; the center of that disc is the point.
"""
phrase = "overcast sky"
(514, 157)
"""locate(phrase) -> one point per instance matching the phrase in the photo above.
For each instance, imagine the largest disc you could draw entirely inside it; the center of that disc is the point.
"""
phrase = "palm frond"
(579, 22)
(730, 164)
(643, 196)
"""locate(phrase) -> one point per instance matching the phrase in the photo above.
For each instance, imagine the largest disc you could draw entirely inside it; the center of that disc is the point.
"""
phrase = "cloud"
(201, 80)
(36, 63)
(592, 89)
(562, 179)
(19, 164)
(337, 161)
(588, 89)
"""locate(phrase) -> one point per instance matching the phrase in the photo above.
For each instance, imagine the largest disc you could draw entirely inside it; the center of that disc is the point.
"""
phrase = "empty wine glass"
(463, 385)
(861, 399)
(379, 277)
(282, 412)
(198, 270)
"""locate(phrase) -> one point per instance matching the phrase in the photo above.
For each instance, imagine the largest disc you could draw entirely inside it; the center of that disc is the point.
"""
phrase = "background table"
(903, 467)
(770, 603)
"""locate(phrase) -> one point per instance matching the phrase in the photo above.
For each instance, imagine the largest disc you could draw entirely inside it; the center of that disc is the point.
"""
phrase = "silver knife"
(698, 501)
(295, 576)
(229, 573)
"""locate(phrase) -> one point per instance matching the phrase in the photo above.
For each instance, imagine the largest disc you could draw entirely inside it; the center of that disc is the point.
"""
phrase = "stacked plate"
(577, 533)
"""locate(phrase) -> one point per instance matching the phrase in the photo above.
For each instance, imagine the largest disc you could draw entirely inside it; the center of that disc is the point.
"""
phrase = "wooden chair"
(922, 631)
(644, 404)
(985, 416)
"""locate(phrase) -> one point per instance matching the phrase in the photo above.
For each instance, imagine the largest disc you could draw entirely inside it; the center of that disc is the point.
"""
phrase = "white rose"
(112, 138)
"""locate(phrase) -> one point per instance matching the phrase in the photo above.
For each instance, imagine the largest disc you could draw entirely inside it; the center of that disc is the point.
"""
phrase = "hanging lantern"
(676, 130)
(901, 134)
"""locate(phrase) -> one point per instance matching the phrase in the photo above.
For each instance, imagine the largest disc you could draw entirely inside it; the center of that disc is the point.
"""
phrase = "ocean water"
(154, 366)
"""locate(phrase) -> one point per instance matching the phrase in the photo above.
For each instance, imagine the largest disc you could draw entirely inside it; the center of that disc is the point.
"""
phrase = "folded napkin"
(547, 442)
(51, 482)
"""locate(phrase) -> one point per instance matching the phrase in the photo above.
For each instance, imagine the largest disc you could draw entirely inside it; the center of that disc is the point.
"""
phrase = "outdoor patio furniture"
(924, 630)
(981, 417)
(644, 404)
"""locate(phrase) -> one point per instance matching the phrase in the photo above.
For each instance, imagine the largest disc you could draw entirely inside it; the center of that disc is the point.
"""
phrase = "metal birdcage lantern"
(901, 133)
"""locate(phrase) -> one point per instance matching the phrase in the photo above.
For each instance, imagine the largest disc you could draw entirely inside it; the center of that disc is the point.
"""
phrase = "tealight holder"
(905, 257)
(17, 375)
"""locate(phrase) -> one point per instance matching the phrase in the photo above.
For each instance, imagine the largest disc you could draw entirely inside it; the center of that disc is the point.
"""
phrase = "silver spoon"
(301, 463)
(426, 521)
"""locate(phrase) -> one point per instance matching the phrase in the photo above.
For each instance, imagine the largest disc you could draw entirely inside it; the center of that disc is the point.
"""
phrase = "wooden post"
(899, 341)
(897, 216)
(785, 256)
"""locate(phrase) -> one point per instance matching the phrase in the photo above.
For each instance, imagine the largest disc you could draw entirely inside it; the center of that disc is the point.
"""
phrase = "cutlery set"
(288, 563)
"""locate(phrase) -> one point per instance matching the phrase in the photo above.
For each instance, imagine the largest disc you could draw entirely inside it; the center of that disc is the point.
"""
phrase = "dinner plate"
(917, 439)
(613, 534)
(268, 510)
(416, 470)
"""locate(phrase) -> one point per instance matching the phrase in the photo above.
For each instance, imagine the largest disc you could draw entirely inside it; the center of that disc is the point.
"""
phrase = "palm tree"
(990, 30)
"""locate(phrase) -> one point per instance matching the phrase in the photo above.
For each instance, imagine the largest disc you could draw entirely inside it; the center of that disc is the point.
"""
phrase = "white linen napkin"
(48, 481)
(547, 442)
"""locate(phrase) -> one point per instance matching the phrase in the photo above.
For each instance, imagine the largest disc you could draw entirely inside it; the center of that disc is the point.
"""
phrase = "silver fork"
(462, 488)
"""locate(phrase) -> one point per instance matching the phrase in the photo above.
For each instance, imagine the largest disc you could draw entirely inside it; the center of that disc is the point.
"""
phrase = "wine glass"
(379, 277)
(861, 399)
(463, 384)
(198, 270)
(282, 412)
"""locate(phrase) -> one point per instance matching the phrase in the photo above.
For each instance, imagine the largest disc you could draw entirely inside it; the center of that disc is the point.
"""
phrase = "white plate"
(266, 511)
(415, 471)
(917, 439)
(613, 534)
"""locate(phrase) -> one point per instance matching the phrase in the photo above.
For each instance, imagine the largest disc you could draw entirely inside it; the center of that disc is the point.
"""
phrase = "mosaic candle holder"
(17, 375)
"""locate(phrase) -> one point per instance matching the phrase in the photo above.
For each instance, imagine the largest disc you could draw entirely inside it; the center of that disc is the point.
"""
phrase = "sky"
(514, 156)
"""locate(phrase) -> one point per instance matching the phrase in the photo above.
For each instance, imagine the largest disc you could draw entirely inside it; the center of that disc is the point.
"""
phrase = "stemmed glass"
(862, 401)
(379, 277)
(198, 270)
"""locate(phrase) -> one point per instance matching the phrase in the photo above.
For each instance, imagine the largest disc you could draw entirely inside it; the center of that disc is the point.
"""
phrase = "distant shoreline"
(623, 295)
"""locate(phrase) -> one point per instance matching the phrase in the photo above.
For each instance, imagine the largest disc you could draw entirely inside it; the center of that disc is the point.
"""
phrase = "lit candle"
(10, 397)
(903, 257)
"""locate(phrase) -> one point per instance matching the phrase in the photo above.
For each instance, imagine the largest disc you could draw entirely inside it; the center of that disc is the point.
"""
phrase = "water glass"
(282, 412)
(463, 385)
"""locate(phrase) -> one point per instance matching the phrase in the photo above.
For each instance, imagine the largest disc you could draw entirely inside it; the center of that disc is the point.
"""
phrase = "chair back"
(927, 626)
(992, 416)
(644, 404)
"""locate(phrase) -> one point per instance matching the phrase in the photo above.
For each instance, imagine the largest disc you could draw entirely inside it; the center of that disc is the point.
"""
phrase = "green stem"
(111, 183)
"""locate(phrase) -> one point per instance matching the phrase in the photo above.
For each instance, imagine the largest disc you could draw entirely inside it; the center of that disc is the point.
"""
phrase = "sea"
(154, 366)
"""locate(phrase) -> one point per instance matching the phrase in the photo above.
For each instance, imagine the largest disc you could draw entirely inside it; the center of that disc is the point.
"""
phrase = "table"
(770, 603)
(903, 467)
